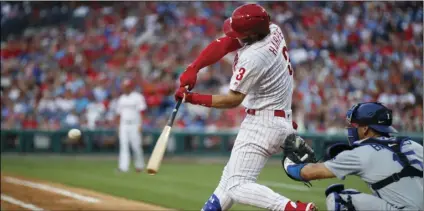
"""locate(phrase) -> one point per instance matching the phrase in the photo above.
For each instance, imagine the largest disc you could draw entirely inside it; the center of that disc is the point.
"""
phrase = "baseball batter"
(129, 107)
(262, 74)
(391, 166)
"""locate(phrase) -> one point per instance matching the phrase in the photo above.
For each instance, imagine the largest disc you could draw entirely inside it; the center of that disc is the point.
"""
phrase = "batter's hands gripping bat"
(160, 147)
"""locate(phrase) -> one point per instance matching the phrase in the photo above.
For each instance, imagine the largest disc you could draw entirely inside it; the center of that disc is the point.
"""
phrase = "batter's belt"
(287, 114)
(278, 113)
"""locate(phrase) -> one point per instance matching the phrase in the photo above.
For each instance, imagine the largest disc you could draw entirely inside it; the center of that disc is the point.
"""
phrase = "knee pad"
(336, 188)
(335, 202)
(350, 191)
(212, 204)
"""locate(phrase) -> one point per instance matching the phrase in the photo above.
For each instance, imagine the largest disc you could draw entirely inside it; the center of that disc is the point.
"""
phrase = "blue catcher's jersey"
(373, 162)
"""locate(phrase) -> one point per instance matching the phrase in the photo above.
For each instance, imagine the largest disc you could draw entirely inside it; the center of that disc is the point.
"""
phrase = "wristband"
(294, 170)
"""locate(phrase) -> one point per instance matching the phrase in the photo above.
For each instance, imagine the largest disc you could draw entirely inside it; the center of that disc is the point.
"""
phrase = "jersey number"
(286, 56)
(240, 75)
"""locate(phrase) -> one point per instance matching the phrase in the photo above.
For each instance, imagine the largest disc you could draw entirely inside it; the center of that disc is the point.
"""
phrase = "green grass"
(179, 185)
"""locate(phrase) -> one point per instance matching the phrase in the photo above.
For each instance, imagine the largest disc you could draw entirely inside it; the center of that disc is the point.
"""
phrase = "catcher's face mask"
(352, 129)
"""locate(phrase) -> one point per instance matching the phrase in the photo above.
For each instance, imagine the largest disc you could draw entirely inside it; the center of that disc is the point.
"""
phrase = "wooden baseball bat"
(160, 147)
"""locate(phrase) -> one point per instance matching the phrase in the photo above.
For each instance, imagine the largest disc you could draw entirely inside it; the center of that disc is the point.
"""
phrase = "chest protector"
(394, 145)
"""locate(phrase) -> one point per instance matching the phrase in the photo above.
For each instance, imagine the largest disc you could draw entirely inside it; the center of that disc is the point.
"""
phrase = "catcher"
(391, 166)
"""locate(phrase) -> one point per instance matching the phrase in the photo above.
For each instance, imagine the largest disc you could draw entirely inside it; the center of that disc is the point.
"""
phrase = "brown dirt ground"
(52, 201)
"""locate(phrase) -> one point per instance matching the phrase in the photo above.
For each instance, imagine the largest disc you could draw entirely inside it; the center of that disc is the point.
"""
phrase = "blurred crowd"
(67, 73)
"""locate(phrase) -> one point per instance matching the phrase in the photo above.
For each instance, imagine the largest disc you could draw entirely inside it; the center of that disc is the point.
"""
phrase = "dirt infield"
(20, 193)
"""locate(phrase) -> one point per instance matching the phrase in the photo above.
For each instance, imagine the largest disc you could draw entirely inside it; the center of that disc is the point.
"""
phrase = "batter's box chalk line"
(14, 201)
(51, 189)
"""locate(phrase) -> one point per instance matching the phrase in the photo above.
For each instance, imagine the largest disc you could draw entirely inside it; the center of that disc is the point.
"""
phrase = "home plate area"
(19, 193)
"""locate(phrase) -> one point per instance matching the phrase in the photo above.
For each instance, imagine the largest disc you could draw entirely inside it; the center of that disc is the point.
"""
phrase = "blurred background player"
(263, 79)
(130, 106)
(391, 166)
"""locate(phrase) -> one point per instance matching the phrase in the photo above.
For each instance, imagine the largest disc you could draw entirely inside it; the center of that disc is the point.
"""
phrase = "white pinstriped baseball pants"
(259, 137)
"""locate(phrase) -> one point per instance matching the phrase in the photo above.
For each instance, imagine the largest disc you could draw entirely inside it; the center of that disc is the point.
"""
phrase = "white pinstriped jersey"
(262, 71)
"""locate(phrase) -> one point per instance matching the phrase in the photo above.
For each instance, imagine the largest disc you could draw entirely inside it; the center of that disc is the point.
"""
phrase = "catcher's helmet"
(247, 20)
(373, 114)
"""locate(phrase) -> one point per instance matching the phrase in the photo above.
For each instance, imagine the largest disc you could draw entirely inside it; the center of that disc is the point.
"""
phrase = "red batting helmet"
(247, 20)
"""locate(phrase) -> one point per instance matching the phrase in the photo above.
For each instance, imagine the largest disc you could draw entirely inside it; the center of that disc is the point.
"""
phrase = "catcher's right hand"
(335, 149)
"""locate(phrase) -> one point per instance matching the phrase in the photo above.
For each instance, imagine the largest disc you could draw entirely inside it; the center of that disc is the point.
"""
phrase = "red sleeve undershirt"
(215, 51)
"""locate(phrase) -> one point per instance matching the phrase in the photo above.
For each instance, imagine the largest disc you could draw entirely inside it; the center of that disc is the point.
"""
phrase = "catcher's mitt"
(297, 151)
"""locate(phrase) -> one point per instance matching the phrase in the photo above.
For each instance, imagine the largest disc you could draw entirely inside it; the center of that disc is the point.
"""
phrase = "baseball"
(74, 134)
